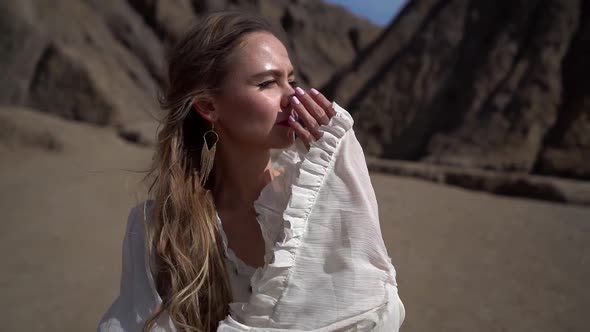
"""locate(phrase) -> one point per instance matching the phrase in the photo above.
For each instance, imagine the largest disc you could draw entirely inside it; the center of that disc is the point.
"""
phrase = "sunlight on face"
(255, 95)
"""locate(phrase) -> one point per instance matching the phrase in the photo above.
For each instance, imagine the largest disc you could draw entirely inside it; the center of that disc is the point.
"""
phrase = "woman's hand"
(314, 110)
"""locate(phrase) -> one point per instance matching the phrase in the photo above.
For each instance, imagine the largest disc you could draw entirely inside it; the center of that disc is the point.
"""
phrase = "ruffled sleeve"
(328, 268)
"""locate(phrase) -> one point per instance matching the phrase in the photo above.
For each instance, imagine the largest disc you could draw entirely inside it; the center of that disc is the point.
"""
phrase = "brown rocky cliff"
(495, 85)
(476, 84)
(322, 37)
(92, 61)
(566, 150)
(102, 61)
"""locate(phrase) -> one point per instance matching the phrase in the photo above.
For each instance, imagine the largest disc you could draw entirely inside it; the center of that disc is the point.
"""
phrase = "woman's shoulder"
(136, 229)
(137, 219)
(139, 214)
(137, 295)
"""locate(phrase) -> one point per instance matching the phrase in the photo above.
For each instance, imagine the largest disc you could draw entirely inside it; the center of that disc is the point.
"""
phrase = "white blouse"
(326, 265)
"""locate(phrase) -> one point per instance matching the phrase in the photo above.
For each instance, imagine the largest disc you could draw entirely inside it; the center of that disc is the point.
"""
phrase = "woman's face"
(254, 97)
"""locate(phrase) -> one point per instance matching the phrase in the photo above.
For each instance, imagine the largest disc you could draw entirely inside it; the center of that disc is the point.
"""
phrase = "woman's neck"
(239, 176)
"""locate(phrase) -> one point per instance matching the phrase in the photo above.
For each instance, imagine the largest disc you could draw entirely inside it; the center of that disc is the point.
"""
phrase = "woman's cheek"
(254, 113)
(266, 109)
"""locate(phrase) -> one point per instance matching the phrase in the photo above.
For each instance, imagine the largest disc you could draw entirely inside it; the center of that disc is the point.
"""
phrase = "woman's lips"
(284, 123)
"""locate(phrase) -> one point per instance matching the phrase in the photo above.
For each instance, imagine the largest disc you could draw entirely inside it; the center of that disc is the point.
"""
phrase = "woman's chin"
(283, 138)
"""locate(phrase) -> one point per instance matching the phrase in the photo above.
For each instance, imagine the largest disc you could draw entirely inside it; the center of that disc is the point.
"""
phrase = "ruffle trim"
(387, 317)
(270, 282)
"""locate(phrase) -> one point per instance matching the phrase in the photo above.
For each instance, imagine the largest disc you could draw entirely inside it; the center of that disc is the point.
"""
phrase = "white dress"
(326, 266)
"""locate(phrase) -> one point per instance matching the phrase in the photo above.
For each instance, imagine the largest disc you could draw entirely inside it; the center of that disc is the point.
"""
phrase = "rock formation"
(492, 85)
(499, 86)
(102, 62)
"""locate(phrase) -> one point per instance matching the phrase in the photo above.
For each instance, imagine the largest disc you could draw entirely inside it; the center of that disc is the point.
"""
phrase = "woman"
(234, 240)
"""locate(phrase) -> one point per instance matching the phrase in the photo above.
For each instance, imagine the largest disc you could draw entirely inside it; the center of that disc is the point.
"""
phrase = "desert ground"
(466, 261)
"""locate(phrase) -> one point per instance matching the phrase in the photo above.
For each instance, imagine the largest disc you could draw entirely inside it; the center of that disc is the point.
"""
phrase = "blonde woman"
(234, 240)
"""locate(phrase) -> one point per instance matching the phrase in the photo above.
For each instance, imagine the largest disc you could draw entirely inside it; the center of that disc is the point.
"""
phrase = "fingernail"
(299, 91)
(292, 118)
(295, 100)
(314, 91)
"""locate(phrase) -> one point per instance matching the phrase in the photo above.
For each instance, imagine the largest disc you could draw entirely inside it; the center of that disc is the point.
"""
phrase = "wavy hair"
(186, 251)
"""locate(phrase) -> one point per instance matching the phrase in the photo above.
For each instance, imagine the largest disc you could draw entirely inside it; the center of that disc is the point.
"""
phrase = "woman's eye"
(293, 83)
(266, 84)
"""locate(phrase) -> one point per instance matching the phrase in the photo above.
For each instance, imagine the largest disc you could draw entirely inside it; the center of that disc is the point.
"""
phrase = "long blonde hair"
(182, 233)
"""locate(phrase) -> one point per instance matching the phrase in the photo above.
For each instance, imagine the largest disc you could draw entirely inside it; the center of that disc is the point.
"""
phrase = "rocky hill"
(502, 85)
(497, 86)
(101, 61)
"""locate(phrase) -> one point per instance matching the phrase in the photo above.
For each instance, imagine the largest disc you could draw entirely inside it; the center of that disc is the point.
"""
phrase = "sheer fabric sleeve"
(329, 269)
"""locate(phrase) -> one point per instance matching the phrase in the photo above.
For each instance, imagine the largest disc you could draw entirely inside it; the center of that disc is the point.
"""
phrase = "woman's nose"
(287, 94)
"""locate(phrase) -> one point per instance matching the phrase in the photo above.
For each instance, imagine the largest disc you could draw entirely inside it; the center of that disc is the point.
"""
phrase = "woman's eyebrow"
(273, 72)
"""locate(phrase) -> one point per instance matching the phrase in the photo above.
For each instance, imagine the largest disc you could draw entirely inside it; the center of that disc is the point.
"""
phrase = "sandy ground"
(466, 261)
(470, 261)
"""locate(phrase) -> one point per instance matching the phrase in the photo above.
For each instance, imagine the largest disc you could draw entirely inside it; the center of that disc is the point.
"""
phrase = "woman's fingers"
(310, 122)
(317, 111)
(314, 110)
(301, 132)
(321, 100)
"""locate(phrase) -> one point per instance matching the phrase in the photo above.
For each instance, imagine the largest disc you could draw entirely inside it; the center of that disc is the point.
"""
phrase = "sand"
(466, 261)
(470, 261)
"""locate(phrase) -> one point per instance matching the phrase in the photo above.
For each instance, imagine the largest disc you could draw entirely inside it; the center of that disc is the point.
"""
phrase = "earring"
(207, 155)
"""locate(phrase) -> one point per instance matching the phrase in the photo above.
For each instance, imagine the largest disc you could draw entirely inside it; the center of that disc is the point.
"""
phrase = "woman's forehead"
(261, 51)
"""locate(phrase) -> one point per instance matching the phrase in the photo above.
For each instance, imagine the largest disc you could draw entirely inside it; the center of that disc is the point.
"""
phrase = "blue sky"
(378, 11)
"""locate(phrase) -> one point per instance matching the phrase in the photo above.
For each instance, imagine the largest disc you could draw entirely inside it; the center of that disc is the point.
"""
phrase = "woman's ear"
(206, 108)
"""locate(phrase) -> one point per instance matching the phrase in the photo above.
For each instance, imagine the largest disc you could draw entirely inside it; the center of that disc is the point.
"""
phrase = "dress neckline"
(266, 196)
(242, 267)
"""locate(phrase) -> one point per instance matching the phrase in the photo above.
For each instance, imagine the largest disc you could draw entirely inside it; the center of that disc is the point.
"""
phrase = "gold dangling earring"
(207, 156)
